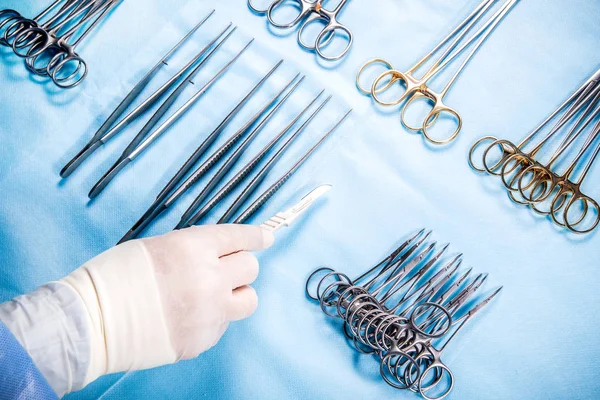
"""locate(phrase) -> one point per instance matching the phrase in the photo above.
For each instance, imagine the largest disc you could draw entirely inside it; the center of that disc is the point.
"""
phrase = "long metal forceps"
(146, 104)
(125, 103)
(159, 204)
(250, 128)
(144, 138)
(245, 171)
(232, 160)
(274, 188)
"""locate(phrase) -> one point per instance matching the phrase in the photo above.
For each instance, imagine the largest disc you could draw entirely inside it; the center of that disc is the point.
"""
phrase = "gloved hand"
(139, 305)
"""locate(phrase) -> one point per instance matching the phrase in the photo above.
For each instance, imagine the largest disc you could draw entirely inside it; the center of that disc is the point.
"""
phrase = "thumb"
(231, 238)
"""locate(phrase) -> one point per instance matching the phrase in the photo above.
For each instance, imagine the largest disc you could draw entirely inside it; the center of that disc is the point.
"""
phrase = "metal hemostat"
(48, 41)
(547, 181)
(414, 90)
(311, 14)
(405, 310)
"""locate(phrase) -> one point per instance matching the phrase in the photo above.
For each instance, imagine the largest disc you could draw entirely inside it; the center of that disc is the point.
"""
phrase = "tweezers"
(264, 198)
(99, 137)
(175, 188)
(232, 160)
(143, 139)
(239, 177)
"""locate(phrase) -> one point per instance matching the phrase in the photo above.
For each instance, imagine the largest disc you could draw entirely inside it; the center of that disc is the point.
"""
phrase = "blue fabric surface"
(19, 377)
(538, 340)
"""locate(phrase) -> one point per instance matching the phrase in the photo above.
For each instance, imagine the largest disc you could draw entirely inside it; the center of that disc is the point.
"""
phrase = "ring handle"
(435, 368)
(12, 16)
(415, 97)
(256, 10)
(278, 3)
(541, 177)
(559, 204)
(429, 308)
(324, 40)
(395, 76)
(392, 377)
(519, 161)
(588, 201)
(474, 148)
(33, 63)
(40, 42)
(362, 69)
(500, 164)
(312, 18)
(73, 79)
(310, 277)
(433, 116)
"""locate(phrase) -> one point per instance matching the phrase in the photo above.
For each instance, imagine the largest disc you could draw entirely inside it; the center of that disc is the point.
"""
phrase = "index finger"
(232, 238)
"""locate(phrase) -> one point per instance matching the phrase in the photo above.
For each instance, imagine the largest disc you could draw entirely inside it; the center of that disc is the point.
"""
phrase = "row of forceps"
(406, 88)
(310, 15)
(236, 146)
(48, 41)
(216, 190)
(550, 182)
(405, 310)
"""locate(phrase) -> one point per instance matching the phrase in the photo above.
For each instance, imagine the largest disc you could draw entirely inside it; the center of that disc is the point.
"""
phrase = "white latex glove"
(139, 305)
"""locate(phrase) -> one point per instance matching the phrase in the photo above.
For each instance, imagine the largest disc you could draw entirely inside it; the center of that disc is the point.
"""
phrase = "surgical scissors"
(311, 13)
(48, 42)
(535, 184)
(19, 22)
(415, 89)
(67, 14)
(544, 182)
(574, 103)
(406, 310)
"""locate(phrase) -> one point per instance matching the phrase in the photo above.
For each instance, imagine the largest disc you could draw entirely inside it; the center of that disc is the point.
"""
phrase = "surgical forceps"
(97, 140)
(147, 135)
(189, 215)
(311, 13)
(177, 186)
(406, 310)
(274, 188)
(523, 175)
(242, 174)
(49, 47)
(415, 89)
(246, 170)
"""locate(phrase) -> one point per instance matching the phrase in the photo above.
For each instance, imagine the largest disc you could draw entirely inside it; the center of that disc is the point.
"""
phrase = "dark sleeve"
(19, 377)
